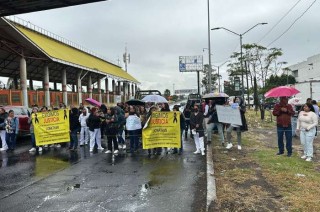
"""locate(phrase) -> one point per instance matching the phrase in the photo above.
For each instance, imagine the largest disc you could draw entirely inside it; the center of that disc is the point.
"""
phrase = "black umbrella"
(135, 102)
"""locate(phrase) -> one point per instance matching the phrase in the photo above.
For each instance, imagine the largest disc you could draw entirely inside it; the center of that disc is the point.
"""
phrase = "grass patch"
(255, 179)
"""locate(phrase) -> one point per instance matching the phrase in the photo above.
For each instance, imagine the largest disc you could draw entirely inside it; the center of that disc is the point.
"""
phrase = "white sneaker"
(197, 152)
(40, 149)
(120, 146)
(3, 149)
(203, 153)
(108, 152)
(124, 146)
(91, 150)
(229, 146)
(239, 147)
(32, 149)
(309, 159)
(58, 145)
(116, 152)
(101, 148)
(303, 157)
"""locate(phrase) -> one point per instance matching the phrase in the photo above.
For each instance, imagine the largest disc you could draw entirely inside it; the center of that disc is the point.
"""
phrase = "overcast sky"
(158, 32)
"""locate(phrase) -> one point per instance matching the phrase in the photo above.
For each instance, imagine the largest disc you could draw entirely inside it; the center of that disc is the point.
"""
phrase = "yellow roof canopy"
(61, 51)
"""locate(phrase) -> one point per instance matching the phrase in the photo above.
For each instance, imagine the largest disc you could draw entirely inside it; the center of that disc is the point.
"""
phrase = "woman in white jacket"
(84, 132)
(306, 125)
(133, 126)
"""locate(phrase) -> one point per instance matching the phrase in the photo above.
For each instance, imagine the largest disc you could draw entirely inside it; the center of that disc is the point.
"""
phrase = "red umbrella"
(93, 102)
(281, 91)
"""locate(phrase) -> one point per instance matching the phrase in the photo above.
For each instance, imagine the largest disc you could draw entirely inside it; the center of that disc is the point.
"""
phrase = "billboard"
(190, 63)
(185, 91)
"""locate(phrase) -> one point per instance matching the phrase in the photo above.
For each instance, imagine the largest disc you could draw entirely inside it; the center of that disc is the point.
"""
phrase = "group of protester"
(204, 118)
(306, 128)
(115, 123)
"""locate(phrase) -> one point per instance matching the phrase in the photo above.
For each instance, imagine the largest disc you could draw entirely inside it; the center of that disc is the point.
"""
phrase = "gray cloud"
(158, 32)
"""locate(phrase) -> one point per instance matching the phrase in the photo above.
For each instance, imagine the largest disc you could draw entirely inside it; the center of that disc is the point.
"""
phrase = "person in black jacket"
(182, 127)
(74, 128)
(187, 114)
(94, 129)
(196, 125)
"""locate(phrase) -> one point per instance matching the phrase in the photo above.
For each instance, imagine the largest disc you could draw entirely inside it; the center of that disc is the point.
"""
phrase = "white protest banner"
(227, 114)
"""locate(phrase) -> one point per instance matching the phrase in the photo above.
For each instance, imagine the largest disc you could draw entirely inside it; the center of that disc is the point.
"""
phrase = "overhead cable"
(279, 20)
(292, 24)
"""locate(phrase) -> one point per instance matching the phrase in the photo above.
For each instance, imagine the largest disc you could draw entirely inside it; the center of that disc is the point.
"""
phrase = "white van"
(251, 100)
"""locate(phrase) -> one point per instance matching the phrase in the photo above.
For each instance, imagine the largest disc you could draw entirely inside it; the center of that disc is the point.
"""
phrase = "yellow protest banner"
(162, 130)
(51, 127)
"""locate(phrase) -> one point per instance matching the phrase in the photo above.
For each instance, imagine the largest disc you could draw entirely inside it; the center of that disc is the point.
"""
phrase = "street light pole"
(209, 50)
(241, 59)
(219, 72)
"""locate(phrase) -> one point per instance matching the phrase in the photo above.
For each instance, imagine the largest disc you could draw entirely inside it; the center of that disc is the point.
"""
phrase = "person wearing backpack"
(12, 129)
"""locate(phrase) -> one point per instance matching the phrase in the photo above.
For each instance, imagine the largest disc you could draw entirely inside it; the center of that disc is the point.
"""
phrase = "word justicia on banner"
(51, 127)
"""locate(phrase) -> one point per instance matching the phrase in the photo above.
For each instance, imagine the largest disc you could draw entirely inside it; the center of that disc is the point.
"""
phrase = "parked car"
(22, 113)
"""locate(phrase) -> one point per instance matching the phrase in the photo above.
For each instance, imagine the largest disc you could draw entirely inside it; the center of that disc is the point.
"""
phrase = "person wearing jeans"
(12, 129)
(133, 125)
(284, 111)
(237, 105)
(306, 125)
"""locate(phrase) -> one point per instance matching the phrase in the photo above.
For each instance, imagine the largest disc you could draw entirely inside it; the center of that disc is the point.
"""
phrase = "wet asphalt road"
(59, 180)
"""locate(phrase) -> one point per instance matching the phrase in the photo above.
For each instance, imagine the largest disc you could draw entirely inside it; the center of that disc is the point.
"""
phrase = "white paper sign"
(227, 114)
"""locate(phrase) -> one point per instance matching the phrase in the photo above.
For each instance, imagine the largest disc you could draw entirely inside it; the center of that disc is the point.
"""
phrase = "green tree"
(205, 79)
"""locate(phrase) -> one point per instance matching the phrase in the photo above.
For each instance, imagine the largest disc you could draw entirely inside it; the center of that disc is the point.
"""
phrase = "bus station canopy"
(13, 7)
(40, 49)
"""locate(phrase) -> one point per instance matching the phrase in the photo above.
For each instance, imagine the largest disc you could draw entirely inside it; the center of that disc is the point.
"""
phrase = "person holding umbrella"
(283, 111)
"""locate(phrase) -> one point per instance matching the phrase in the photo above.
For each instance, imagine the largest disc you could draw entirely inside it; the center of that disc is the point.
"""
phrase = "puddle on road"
(45, 166)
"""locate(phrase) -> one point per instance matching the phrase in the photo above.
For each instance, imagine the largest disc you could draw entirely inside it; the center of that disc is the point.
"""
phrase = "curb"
(211, 181)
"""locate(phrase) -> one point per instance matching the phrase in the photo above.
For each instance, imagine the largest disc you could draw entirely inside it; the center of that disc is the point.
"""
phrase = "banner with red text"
(162, 130)
(51, 127)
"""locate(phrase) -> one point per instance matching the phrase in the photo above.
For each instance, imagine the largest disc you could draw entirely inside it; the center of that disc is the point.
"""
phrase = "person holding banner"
(182, 127)
(196, 126)
(33, 139)
(237, 105)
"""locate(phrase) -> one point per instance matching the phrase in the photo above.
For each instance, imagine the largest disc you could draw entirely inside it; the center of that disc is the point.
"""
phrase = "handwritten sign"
(227, 114)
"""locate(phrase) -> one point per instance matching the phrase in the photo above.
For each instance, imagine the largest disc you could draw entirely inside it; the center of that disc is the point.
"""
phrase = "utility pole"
(209, 50)
(126, 58)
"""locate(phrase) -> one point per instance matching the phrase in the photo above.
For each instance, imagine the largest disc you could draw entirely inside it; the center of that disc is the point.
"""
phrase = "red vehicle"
(22, 113)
